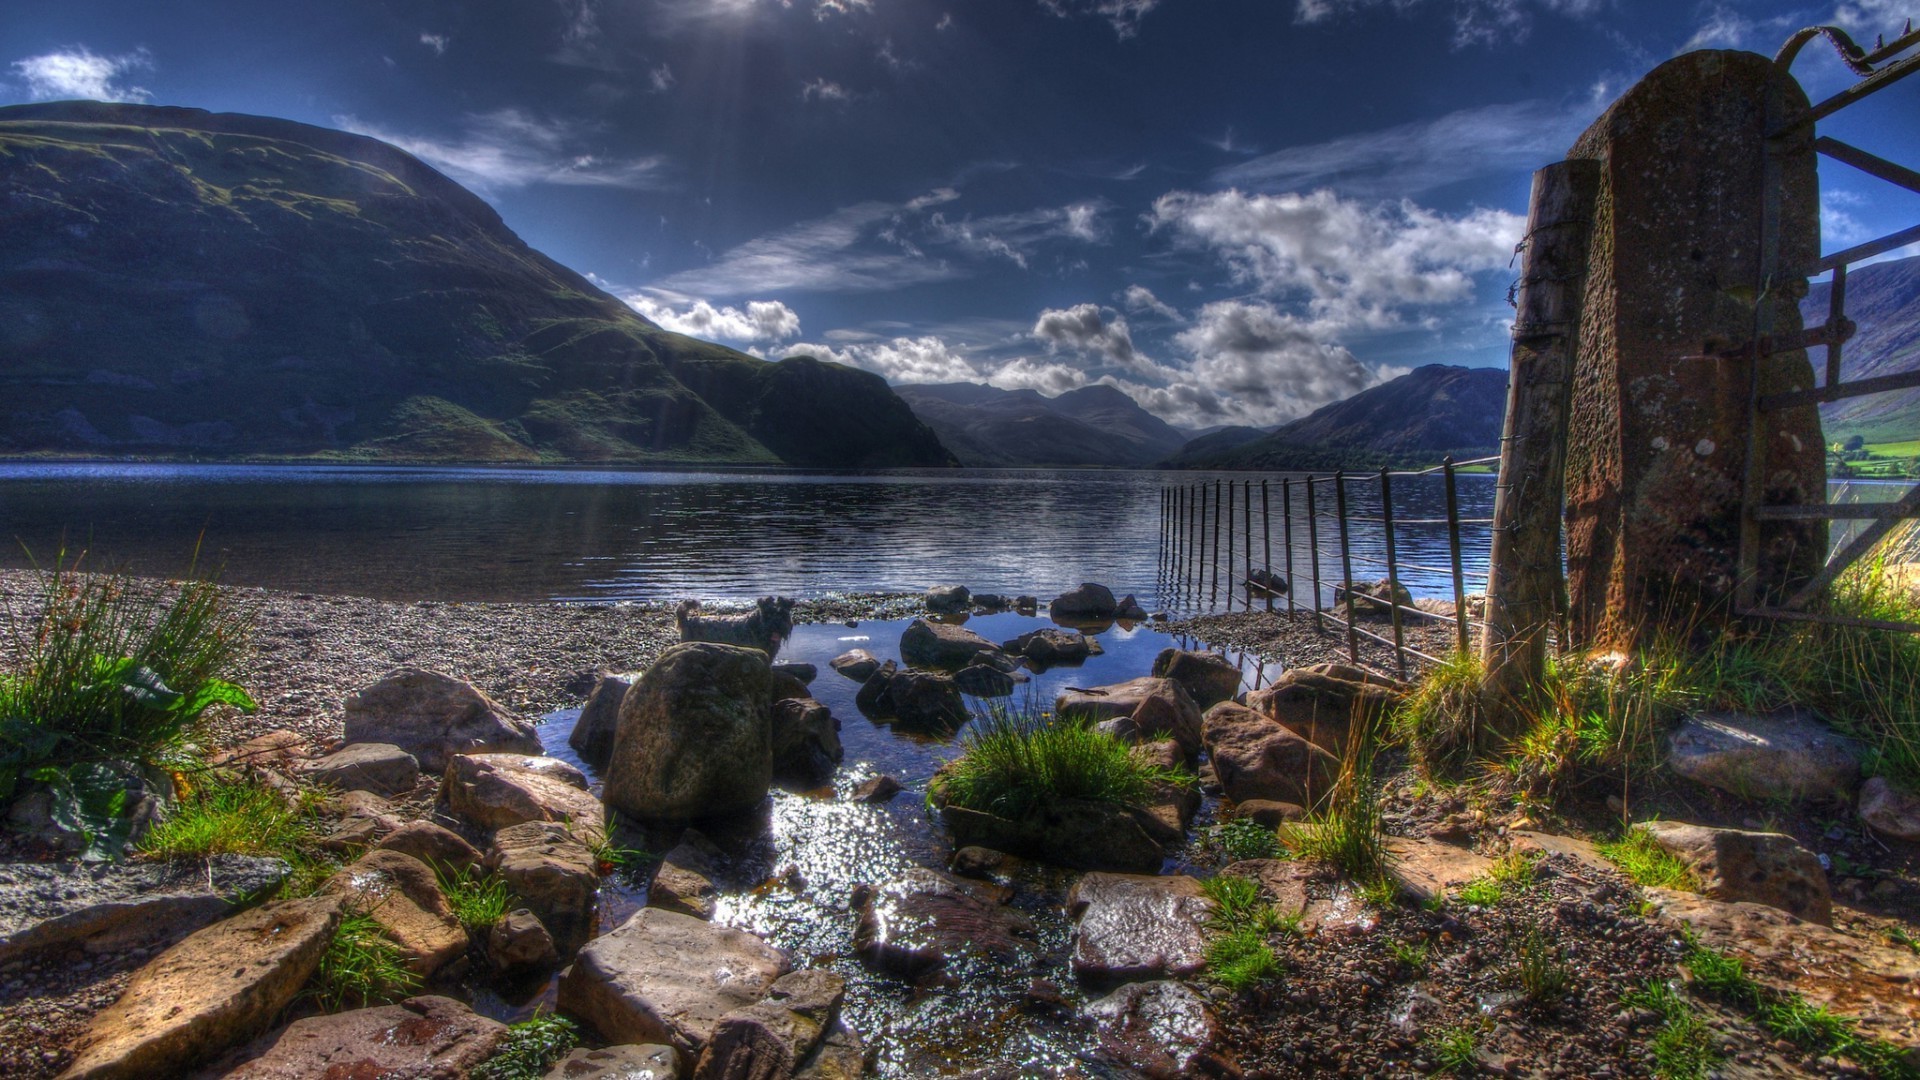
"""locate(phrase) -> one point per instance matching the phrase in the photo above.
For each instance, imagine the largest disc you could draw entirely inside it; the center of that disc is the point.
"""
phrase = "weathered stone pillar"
(1658, 438)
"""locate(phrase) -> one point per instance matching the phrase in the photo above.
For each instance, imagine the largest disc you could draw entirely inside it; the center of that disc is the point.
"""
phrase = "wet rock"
(432, 844)
(1267, 581)
(651, 1061)
(990, 602)
(925, 921)
(948, 599)
(113, 907)
(783, 686)
(695, 738)
(1152, 708)
(401, 894)
(879, 789)
(985, 864)
(919, 700)
(668, 978)
(1789, 756)
(215, 989)
(1754, 867)
(841, 1055)
(1254, 757)
(1138, 926)
(685, 881)
(1158, 1028)
(1026, 605)
(855, 664)
(1375, 597)
(1268, 813)
(806, 673)
(519, 944)
(1050, 647)
(494, 791)
(1208, 678)
(1890, 811)
(553, 873)
(873, 689)
(1075, 833)
(1089, 601)
(433, 716)
(985, 680)
(1127, 609)
(806, 741)
(421, 1038)
(1427, 869)
(939, 645)
(592, 735)
(381, 768)
(1320, 702)
(768, 1039)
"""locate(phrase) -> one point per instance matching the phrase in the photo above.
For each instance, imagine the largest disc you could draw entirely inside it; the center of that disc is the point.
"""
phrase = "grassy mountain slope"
(1092, 426)
(1884, 301)
(177, 282)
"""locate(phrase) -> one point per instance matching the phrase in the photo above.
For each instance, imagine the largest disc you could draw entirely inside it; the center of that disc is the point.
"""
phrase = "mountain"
(1883, 300)
(179, 282)
(1418, 418)
(1091, 426)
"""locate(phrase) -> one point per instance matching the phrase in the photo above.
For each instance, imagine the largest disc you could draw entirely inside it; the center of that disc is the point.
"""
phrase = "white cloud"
(824, 90)
(79, 72)
(1475, 22)
(1049, 377)
(824, 8)
(926, 359)
(1093, 330)
(1140, 300)
(1123, 15)
(1015, 236)
(437, 42)
(511, 148)
(1357, 265)
(1263, 367)
(758, 321)
(660, 78)
(946, 21)
(1868, 19)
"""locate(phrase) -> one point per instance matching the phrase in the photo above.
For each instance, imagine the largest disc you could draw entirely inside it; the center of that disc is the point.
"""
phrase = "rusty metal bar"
(1229, 545)
(1865, 88)
(1857, 388)
(1286, 530)
(1863, 542)
(1787, 615)
(1393, 576)
(1346, 560)
(1868, 250)
(1871, 164)
(1246, 515)
(1313, 552)
(1453, 546)
(1836, 315)
(1213, 595)
(1266, 540)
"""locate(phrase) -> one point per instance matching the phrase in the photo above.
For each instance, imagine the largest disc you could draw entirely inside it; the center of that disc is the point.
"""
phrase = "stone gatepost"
(1658, 439)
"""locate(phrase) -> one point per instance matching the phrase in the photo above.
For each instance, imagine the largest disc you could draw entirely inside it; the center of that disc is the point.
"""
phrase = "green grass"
(1238, 956)
(234, 816)
(477, 899)
(1540, 969)
(1244, 838)
(1412, 955)
(1456, 1050)
(1647, 863)
(360, 967)
(531, 1048)
(1811, 1027)
(1346, 831)
(1443, 719)
(1013, 763)
(1241, 960)
(1509, 875)
(1684, 1047)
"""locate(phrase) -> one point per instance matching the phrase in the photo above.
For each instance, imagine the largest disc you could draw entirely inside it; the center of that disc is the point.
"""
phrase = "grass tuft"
(1347, 830)
(1456, 1049)
(1238, 956)
(235, 816)
(1244, 838)
(1013, 763)
(1789, 1016)
(361, 966)
(1509, 875)
(531, 1048)
(1412, 955)
(1442, 720)
(1540, 969)
(1649, 865)
(477, 899)
(1683, 1048)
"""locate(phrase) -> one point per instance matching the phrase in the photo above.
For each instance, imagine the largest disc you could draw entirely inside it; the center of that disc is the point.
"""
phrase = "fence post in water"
(1266, 541)
(1346, 564)
(1229, 545)
(1524, 572)
(1286, 530)
(1246, 517)
(1313, 554)
(1453, 544)
(1213, 596)
(1393, 573)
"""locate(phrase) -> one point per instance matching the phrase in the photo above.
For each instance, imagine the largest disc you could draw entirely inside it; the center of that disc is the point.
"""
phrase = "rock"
(1750, 867)
(782, 686)
(1156, 708)
(855, 664)
(1890, 811)
(519, 944)
(806, 741)
(985, 864)
(381, 768)
(1255, 758)
(840, 1056)
(879, 789)
(1026, 605)
(919, 700)
(948, 599)
(115, 907)
(1269, 813)
(695, 737)
(433, 716)
(1266, 581)
(1076, 833)
(364, 819)
(806, 673)
(925, 921)
(1208, 678)
(985, 680)
(1158, 1028)
(1051, 648)
(280, 749)
(421, 1038)
(938, 645)
(401, 894)
(1138, 926)
(1376, 597)
(1319, 703)
(215, 989)
(1789, 756)
(147, 792)
(494, 791)
(432, 844)
(873, 690)
(768, 1039)
(649, 1062)
(1090, 601)
(991, 602)
(1127, 609)
(668, 978)
(592, 736)
(553, 874)
(685, 880)
(1430, 869)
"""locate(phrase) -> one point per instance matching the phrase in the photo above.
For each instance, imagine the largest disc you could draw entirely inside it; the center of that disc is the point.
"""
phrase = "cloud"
(437, 42)
(1015, 236)
(1357, 265)
(925, 359)
(1263, 366)
(1475, 22)
(1140, 300)
(758, 321)
(660, 78)
(824, 90)
(1049, 377)
(79, 72)
(1410, 158)
(825, 8)
(836, 253)
(512, 148)
(1095, 331)
(946, 21)
(1123, 15)
(1866, 19)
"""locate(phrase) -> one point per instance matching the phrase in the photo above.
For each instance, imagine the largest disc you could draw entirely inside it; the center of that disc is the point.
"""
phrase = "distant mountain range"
(1092, 426)
(1883, 300)
(175, 282)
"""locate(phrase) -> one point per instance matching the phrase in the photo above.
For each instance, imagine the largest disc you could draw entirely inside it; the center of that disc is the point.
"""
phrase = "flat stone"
(1077, 833)
(1788, 756)
(215, 989)
(651, 1061)
(805, 673)
(519, 942)
(1269, 813)
(381, 768)
(280, 749)
(926, 921)
(768, 1039)
(1254, 757)
(421, 1038)
(855, 664)
(841, 1055)
(494, 791)
(668, 978)
(1158, 1027)
(1753, 867)
(1138, 926)
(1315, 892)
(1890, 811)
(401, 894)
(878, 789)
(433, 716)
(685, 881)
(435, 845)
(1154, 708)
(592, 734)
(940, 645)
(1320, 702)
(1429, 868)
(112, 907)
(1208, 678)
(554, 874)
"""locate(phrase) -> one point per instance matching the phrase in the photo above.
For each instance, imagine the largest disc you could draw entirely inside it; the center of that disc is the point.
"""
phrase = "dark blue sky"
(1237, 210)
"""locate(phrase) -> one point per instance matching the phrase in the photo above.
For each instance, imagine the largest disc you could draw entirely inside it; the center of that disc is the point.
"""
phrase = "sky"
(1234, 210)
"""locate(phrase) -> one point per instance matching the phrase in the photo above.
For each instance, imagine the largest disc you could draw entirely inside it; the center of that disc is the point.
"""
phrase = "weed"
(1411, 955)
(1540, 969)
(1509, 875)
(1015, 762)
(361, 966)
(1649, 865)
(1442, 720)
(1238, 955)
(530, 1049)
(235, 817)
(1381, 892)
(1237, 904)
(1244, 838)
(1456, 1049)
(1789, 1016)
(1899, 935)
(1347, 830)
(609, 855)
(1683, 1048)
(1241, 959)
(477, 899)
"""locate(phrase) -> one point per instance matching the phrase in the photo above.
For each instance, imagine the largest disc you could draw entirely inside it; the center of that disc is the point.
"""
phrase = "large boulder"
(215, 989)
(554, 875)
(1208, 678)
(592, 735)
(1154, 708)
(422, 1038)
(1138, 926)
(1255, 758)
(1320, 702)
(494, 791)
(434, 716)
(381, 768)
(668, 978)
(695, 736)
(806, 740)
(985, 680)
(939, 645)
(1159, 1028)
(925, 921)
(1090, 602)
(1752, 867)
(918, 700)
(401, 894)
(1890, 810)
(1050, 647)
(949, 599)
(1078, 833)
(114, 907)
(1788, 756)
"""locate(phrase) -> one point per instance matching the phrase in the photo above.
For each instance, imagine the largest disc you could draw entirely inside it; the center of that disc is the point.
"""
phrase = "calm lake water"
(568, 534)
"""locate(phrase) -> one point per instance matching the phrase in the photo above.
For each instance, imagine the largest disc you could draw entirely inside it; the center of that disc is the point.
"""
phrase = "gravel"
(1293, 641)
